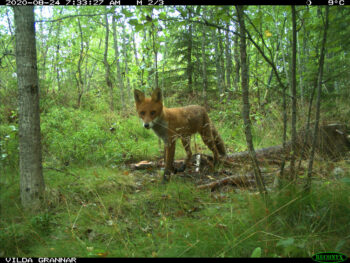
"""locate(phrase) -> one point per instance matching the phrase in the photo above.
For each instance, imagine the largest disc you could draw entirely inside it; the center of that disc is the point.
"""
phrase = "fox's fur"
(172, 123)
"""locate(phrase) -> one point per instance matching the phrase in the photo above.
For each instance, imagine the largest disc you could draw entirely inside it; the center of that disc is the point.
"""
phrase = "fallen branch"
(237, 180)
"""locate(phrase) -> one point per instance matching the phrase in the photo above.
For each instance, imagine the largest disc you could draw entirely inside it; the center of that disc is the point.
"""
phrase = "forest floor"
(98, 205)
(122, 212)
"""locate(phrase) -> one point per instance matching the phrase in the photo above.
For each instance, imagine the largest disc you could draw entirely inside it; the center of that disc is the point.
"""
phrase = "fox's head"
(149, 109)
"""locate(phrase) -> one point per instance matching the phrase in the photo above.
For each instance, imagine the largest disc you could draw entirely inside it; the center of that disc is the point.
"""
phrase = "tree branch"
(72, 16)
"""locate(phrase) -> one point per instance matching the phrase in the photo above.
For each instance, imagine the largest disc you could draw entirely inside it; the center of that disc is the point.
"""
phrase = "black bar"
(173, 2)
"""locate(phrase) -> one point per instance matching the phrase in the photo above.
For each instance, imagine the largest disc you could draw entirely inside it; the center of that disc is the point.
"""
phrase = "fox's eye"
(142, 113)
(153, 112)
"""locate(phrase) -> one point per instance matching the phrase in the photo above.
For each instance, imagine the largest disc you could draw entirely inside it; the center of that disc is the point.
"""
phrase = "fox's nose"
(146, 125)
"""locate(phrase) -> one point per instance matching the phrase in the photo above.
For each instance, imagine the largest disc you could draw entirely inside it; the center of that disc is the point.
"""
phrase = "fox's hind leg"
(208, 139)
(218, 141)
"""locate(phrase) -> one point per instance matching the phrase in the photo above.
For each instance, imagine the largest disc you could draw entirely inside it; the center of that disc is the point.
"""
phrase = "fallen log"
(143, 165)
(332, 143)
(236, 180)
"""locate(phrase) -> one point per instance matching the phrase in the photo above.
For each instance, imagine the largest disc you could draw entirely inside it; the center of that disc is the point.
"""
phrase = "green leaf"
(139, 27)
(133, 22)
(148, 24)
(256, 253)
(118, 16)
(127, 13)
(182, 23)
(162, 15)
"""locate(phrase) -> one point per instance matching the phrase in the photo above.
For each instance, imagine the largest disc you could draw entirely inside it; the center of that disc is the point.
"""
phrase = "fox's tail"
(218, 141)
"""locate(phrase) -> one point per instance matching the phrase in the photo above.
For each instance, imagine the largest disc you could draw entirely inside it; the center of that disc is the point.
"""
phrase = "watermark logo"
(329, 257)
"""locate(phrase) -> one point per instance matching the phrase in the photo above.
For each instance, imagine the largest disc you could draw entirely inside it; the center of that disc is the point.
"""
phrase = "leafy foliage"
(95, 206)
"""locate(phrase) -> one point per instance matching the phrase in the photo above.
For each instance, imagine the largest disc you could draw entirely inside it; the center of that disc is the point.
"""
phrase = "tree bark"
(125, 49)
(32, 184)
(116, 54)
(204, 67)
(189, 55)
(57, 55)
(318, 102)
(107, 66)
(228, 59)
(294, 94)
(215, 37)
(246, 105)
(222, 66)
(154, 35)
(237, 62)
(79, 80)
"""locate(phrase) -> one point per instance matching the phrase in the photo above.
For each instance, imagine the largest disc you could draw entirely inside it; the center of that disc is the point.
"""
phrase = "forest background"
(263, 73)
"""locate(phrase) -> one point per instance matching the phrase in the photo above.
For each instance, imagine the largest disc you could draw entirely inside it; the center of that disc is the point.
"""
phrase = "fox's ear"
(139, 96)
(157, 95)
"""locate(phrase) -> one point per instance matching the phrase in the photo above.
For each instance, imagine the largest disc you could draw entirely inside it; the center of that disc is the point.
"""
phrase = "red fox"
(172, 123)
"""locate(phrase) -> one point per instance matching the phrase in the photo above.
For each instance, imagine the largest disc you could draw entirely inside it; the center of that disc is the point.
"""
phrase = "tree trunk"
(204, 67)
(30, 157)
(189, 56)
(245, 99)
(45, 47)
(275, 60)
(107, 66)
(294, 95)
(136, 57)
(116, 54)
(217, 63)
(318, 102)
(165, 58)
(237, 62)
(154, 34)
(228, 59)
(79, 80)
(222, 66)
(125, 49)
(91, 72)
(57, 55)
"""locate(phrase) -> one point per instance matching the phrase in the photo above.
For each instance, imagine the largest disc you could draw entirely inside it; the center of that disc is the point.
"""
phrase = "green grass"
(113, 212)
(95, 206)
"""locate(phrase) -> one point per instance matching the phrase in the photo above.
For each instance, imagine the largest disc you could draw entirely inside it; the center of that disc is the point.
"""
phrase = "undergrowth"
(100, 211)
(95, 206)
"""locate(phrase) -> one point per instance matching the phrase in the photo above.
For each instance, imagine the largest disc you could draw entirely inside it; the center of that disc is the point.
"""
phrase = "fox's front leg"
(186, 142)
(169, 160)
